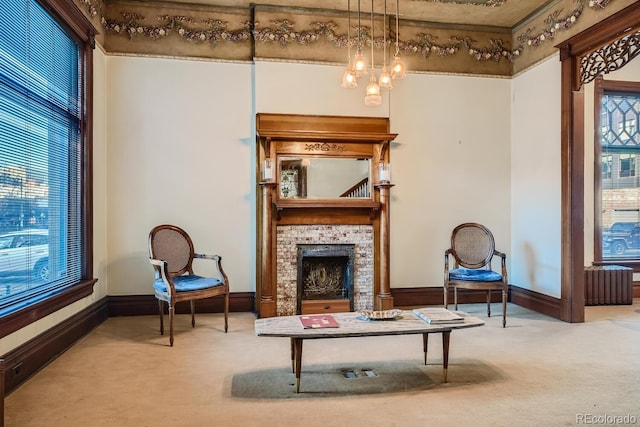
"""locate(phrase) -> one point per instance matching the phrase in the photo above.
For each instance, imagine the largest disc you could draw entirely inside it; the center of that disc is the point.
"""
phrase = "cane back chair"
(472, 249)
(171, 253)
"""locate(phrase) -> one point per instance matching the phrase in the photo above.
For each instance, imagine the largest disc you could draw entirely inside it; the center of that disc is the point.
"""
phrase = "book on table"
(313, 321)
(437, 315)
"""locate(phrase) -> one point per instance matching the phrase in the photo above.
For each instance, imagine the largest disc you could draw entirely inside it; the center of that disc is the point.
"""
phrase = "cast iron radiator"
(608, 285)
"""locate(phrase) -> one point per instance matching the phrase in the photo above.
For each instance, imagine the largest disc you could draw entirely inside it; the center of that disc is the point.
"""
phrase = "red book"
(314, 321)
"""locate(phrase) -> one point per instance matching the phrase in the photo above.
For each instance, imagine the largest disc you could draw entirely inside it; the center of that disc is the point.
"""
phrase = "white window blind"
(40, 156)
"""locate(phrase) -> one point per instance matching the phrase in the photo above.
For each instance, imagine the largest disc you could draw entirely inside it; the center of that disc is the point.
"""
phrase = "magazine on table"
(437, 315)
(313, 321)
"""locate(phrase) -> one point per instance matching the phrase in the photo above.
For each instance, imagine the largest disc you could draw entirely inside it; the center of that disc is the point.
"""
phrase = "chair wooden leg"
(171, 312)
(455, 298)
(489, 303)
(226, 312)
(446, 297)
(192, 303)
(161, 311)
(504, 308)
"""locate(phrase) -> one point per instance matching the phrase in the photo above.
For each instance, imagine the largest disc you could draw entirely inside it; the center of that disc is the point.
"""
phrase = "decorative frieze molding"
(537, 39)
(274, 32)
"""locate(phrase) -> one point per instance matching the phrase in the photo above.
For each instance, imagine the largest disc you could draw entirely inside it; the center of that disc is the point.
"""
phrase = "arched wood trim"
(575, 58)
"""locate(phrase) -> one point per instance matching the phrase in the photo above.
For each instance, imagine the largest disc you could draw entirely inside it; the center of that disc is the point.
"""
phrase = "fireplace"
(294, 240)
(325, 276)
(338, 282)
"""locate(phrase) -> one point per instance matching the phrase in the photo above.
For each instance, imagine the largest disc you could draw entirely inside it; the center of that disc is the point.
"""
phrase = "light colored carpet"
(537, 372)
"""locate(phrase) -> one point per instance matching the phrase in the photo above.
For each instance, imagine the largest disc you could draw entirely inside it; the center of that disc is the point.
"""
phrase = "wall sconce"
(267, 170)
(384, 172)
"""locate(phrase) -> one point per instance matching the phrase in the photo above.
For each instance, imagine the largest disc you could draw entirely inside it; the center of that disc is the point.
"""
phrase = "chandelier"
(358, 67)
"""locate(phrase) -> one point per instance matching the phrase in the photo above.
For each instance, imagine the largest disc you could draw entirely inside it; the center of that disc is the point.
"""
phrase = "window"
(45, 141)
(618, 182)
(627, 165)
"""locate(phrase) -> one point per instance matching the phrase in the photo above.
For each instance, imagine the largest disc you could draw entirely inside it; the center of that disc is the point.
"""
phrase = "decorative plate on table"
(380, 315)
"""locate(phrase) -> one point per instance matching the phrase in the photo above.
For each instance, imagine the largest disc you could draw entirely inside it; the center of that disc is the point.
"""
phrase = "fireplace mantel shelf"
(326, 203)
(319, 204)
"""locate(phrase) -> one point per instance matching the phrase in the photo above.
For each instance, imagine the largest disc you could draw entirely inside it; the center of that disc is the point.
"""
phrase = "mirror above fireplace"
(303, 177)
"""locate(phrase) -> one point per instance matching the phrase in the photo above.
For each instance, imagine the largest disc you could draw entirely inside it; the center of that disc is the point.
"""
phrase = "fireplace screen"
(325, 272)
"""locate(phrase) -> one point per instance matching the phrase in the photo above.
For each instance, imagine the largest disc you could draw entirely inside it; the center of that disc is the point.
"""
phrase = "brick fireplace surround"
(289, 236)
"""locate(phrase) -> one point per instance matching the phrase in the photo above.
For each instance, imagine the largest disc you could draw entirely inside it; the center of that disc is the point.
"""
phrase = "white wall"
(295, 88)
(181, 151)
(535, 179)
(451, 165)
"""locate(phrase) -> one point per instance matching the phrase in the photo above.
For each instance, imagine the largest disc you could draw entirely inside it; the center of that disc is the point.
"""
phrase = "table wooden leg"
(293, 356)
(298, 363)
(425, 343)
(446, 335)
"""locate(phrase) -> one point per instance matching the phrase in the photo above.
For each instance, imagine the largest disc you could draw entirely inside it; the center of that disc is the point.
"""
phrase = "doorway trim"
(576, 55)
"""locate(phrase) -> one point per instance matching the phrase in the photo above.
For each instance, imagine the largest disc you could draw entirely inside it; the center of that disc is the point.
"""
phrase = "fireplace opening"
(325, 278)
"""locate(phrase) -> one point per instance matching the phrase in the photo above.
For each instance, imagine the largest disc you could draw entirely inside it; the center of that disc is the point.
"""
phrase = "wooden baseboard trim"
(434, 295)
(145, 305)
(543, 304)
(23, 362)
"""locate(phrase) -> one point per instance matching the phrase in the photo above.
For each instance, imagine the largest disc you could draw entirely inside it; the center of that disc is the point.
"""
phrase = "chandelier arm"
(372, 35)
(349, 31)
(359, 27)
(384, 36)
(397, 28)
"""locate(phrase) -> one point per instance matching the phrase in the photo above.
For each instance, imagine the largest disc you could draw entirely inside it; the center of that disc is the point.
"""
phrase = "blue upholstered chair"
(171, 253)
(472, 249)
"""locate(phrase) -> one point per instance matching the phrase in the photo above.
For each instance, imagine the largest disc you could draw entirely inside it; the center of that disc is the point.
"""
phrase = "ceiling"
(493, 13)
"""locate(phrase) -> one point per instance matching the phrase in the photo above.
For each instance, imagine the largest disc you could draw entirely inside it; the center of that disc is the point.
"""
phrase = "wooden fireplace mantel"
(287, 136)
(325, 211)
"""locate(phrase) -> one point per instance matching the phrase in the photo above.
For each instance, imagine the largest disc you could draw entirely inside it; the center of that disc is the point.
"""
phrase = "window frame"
(67, 14)
(600, 86)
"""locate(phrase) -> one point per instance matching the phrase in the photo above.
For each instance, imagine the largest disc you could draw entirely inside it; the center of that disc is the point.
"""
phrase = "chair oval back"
(173, 245)
(473, 245)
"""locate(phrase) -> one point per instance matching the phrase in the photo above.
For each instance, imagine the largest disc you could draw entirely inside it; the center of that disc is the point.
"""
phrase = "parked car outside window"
(621, 239)
(25, 252)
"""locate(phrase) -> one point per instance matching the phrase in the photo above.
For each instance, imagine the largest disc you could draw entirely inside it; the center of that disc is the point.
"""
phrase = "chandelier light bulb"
(349, 77)
(359, 64)
(373, 96)
(398, 68)
(385, 79)
(349, 80)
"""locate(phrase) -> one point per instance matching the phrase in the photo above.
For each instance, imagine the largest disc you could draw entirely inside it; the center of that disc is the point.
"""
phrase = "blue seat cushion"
(477, 275)
(190, 282)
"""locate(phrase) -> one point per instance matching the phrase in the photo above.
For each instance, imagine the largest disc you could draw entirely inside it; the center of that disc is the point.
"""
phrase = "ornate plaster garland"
(282, 31)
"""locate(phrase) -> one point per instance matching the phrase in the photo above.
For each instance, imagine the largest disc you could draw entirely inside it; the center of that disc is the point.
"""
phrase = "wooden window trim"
(72, 19)
(600, 87)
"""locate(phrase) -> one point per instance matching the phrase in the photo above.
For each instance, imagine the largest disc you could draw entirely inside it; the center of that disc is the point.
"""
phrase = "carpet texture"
(537, 371)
